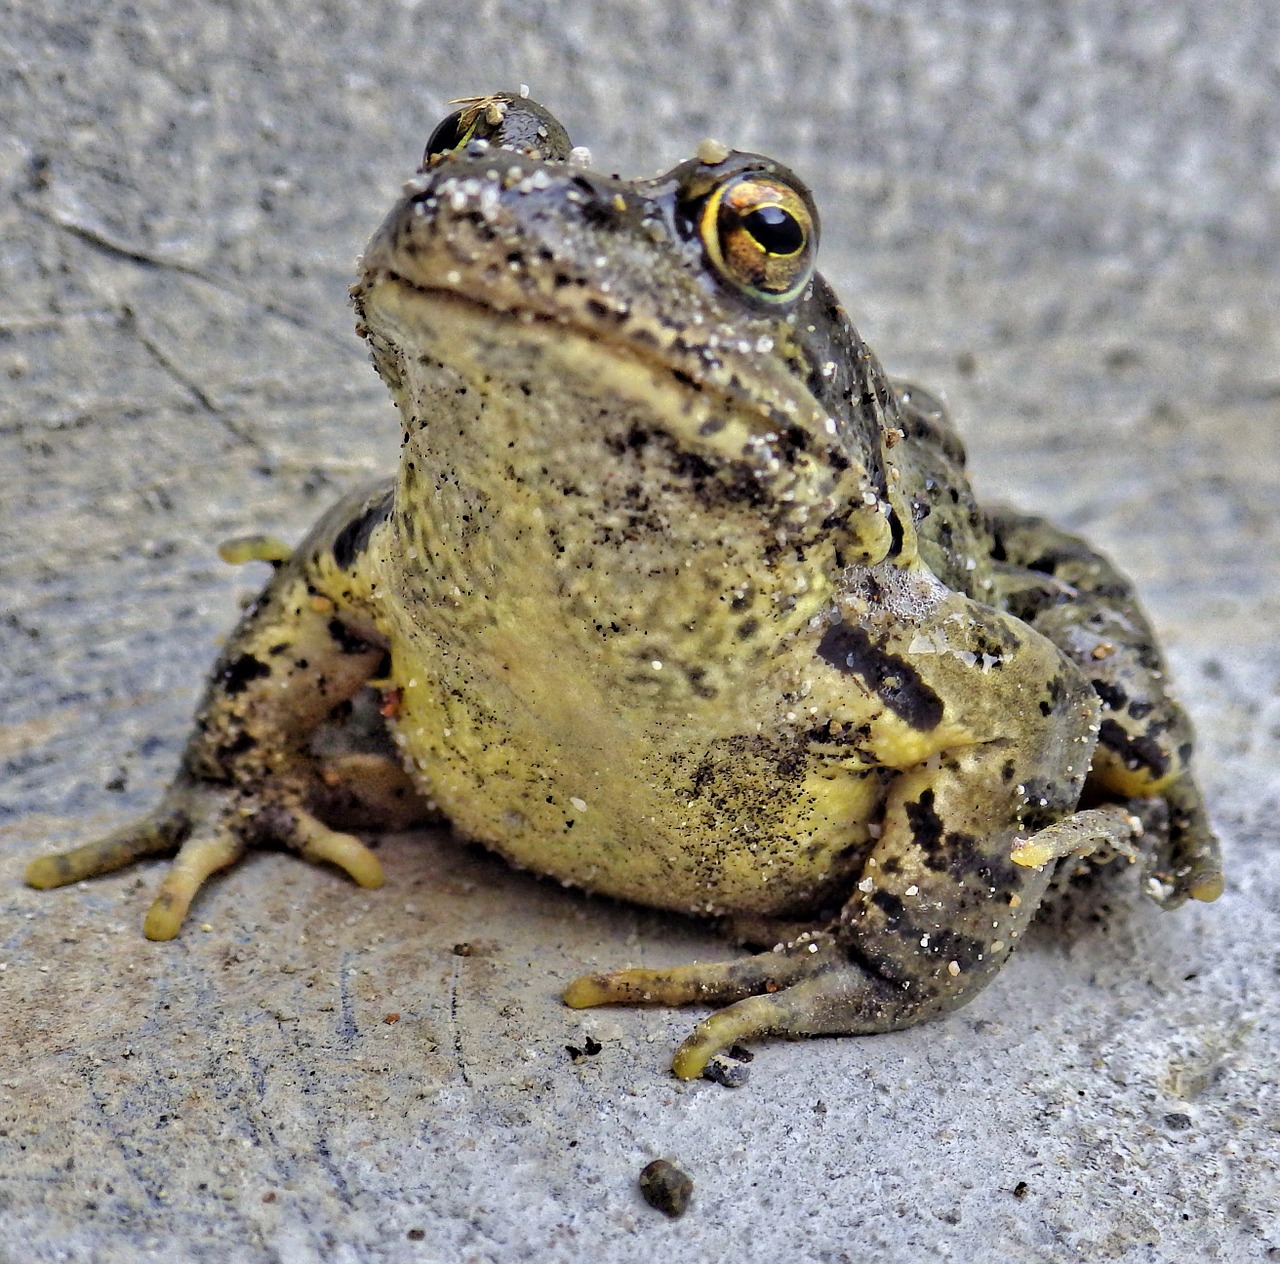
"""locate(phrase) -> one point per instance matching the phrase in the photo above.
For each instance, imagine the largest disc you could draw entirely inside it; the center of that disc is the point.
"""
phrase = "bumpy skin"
(676, 597)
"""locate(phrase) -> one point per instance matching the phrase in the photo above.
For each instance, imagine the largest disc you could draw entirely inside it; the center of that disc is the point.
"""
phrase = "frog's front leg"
(939, 902)
(304, 648)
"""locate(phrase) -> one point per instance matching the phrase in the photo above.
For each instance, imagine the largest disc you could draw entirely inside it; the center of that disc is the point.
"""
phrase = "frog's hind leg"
(301, 652)
(933, 918)
(1077, 598)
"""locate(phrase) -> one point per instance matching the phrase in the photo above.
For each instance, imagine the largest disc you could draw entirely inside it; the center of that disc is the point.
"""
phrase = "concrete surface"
(1067, 218)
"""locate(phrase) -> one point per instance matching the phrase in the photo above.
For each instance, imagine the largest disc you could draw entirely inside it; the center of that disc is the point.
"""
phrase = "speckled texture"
(1069, 226)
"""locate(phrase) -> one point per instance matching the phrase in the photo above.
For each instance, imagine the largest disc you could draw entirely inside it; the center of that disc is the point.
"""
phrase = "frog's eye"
(503, 120)
(761, 235)
(452, 133)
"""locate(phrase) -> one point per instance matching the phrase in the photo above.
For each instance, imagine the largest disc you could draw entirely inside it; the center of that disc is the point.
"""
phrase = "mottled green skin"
(677, 598)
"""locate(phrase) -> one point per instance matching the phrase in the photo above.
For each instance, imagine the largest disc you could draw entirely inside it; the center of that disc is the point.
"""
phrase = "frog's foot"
(209, 826)
(1185, 861)
(1112, 828)
(808, 987)
(1171, 835)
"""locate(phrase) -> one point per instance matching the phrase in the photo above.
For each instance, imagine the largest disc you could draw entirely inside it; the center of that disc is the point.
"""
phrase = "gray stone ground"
(1067, 218)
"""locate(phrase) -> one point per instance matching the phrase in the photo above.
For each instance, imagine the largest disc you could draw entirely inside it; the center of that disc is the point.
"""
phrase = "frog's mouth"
(730, 410)
(552, 374)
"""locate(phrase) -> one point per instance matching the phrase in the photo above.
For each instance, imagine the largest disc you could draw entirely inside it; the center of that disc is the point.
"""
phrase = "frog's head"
(690, 298)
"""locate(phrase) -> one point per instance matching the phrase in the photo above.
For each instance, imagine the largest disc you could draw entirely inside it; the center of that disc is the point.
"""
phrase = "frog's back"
(953, 532)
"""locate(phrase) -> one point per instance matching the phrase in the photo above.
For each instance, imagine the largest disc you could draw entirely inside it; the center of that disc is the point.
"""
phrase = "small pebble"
(722, 1069)
(666, 1188)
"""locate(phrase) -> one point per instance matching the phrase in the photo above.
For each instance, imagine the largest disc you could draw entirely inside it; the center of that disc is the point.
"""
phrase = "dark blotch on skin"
(354, 537)
(237, 674)
(926, 824)
(991, 870)
(1045, 801)
(1113, 697)
(966, 951)
(347, 641)
(895, 533)
(718, 482)
(888, 904)
(850, 649)
(1057, 691)
(603, 312)
(238, 746)
(696, 677)
(1136, 752)
(794, 439)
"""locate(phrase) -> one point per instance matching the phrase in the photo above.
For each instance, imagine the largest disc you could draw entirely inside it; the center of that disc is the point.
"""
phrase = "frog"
(677, 597)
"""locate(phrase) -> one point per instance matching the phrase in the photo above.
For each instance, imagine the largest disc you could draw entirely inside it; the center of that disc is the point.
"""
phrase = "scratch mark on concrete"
(347, 1030)
(134, 254)
(189, 384)
(458, 1052)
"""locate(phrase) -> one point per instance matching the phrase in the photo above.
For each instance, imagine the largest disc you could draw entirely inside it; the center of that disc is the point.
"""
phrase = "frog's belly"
(679, 815)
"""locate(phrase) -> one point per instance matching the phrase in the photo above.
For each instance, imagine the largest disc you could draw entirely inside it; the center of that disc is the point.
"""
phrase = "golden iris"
(760, 234)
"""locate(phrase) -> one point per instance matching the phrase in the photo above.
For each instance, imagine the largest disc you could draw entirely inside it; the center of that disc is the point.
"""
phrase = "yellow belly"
(680, 803)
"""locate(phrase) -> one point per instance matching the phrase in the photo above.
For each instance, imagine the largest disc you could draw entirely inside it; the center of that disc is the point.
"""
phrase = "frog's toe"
(1206, 883)
(1110, 828)
(151, 835)
(1185, 866)
(796, 1010)
(714, 983)
(313, 840)
(840, 998)
(204, 853)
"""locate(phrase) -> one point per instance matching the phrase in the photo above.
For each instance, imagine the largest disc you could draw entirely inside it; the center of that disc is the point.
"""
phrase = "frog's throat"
(467, 354)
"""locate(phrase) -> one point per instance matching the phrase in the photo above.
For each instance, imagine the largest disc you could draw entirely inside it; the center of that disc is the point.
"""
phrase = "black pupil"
(446, 136)
(775, 229)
